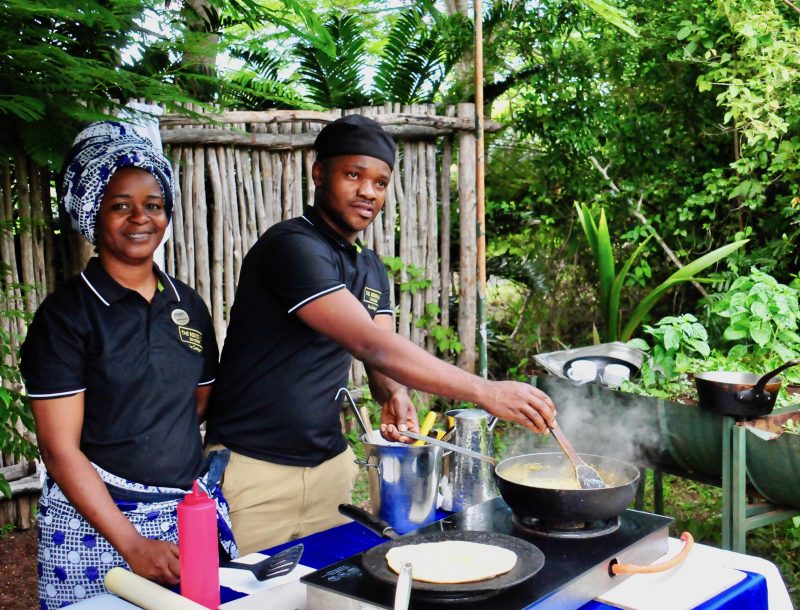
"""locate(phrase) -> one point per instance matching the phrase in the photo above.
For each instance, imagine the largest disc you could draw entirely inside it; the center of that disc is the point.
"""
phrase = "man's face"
(352, 189)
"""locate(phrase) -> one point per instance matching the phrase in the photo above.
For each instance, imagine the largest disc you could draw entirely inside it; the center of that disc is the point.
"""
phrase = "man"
(310, 295)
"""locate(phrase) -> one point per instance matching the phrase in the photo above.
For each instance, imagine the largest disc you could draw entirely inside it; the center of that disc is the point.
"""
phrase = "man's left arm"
(398, 409)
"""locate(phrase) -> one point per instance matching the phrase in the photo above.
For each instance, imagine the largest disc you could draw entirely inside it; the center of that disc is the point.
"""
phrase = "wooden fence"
(236, 175)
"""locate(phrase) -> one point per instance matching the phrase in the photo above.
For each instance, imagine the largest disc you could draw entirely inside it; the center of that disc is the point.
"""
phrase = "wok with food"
(543, 486)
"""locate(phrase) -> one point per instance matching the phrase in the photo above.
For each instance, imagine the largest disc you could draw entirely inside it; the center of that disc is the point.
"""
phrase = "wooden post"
(467, 308)
(480, 222)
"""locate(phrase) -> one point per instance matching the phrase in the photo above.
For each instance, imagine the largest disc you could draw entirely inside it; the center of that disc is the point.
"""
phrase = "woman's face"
(132, 217)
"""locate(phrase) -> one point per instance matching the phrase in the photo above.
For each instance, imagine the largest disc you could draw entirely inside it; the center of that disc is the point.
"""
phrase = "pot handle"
(761, 383)
(631, 568)
(368, 520)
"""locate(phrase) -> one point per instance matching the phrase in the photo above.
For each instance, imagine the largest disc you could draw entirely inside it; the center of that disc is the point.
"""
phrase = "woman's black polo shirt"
(275, 394)
(138, 365)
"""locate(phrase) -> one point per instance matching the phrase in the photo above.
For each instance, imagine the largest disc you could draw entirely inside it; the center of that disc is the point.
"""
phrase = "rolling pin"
(146, 594)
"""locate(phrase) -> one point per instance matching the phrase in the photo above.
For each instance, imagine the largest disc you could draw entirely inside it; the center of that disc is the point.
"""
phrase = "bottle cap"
(196, 496)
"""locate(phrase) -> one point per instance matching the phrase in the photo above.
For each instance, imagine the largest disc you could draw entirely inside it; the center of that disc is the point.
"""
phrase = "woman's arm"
(58, 432)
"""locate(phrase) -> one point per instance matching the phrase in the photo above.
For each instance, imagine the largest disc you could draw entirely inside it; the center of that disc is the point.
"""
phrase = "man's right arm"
(341, 317)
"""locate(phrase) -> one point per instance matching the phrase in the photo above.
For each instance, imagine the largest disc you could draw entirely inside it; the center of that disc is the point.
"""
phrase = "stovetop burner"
(575, 569)
(549, 529)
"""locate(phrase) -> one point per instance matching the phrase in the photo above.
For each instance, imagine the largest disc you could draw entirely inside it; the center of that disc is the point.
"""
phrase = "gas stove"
(576, 569)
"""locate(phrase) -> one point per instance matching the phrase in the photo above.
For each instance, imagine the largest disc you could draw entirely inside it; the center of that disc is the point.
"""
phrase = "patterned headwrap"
(97, 152)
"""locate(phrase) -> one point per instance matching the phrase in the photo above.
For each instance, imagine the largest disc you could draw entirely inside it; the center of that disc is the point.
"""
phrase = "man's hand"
(521, 403)
(398, 415)
(155, 560)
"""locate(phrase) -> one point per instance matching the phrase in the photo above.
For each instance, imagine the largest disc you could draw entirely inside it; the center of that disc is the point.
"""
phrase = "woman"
(118, 364)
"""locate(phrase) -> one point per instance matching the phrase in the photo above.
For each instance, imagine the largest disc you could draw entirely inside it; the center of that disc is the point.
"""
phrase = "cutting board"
(682, 588)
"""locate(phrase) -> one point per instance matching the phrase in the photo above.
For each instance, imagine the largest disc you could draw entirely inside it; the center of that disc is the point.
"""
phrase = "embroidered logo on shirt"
(372, 298)
(180, 317)
(191, 337)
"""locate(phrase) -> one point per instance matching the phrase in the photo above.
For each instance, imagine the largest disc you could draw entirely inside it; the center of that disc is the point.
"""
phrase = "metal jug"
(469, 481)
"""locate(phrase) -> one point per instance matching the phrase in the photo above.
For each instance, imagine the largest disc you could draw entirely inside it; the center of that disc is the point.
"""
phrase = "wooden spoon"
(588, 477)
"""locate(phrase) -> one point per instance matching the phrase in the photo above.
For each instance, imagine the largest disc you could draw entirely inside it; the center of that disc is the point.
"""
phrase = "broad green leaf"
(616, 292)
(737, 352)
(760, 332)
(682, 275)
(734, 334)
(605, 263)
(671, 339)
(639, 344)
(759, 309)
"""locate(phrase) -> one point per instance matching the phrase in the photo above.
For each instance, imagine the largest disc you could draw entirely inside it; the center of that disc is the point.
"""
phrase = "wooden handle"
(368, 423)
(564, 443)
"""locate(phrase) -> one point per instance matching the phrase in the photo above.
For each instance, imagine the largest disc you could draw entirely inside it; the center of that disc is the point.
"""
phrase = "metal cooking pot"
(403, 482)
(739, 394)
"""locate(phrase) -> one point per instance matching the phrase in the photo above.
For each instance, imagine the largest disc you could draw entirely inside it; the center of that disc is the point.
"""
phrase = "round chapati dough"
(452, 561)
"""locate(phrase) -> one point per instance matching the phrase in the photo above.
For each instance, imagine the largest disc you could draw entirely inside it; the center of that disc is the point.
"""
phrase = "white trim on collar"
(93, 289)
(175, 290)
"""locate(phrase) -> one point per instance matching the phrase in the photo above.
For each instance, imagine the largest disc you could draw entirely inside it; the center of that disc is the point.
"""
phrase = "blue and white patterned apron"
(74, 558)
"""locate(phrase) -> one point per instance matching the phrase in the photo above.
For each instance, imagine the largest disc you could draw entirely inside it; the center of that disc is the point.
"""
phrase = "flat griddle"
(529, 561)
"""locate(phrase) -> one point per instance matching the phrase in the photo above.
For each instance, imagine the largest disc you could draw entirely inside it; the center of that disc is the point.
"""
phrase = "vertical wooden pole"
(479, 190)
(467, 217)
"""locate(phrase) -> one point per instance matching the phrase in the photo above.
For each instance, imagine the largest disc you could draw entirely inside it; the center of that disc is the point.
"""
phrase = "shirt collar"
(108, 290)
(311, 216)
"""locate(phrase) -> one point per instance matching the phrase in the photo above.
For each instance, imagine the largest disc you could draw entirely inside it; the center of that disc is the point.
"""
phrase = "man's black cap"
(355, 134)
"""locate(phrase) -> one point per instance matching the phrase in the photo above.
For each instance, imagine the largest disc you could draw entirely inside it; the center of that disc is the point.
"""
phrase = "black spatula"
(271, 567)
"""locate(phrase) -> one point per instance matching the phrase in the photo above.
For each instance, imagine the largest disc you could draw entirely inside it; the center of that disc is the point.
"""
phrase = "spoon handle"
(566, 446)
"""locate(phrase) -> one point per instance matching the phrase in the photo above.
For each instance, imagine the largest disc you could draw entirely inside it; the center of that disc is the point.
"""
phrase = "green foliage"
(421, 48)
(611, 283)
(445, 337)
(332, 81)
(16, 419)
(760, 317)
(676, 341)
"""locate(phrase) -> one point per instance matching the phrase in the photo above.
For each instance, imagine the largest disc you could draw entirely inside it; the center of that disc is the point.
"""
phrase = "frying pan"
(739, 394)
(529, 559)
(542, 485)
(530, 485)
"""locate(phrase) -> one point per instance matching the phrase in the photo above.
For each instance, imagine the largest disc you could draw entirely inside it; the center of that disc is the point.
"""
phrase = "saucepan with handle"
(740, 394)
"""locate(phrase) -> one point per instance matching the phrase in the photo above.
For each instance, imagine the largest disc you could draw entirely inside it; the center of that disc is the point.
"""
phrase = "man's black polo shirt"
(275, 394)
(138, 365)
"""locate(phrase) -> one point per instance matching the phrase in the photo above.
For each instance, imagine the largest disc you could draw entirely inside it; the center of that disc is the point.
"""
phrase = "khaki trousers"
(272, 503)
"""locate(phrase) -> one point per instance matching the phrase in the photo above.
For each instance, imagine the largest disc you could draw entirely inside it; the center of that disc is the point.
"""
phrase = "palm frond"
(335, 82)
(422, 46)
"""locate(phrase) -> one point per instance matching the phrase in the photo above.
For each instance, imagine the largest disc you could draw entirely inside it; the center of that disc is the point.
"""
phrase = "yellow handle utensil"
(427, 424)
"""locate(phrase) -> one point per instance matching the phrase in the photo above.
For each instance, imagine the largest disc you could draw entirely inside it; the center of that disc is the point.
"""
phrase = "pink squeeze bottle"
(197, 543)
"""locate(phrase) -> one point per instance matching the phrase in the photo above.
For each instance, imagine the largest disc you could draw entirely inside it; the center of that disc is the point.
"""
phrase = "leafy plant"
(677, 342)
(16, 419)
(611, 283)
(761, 316)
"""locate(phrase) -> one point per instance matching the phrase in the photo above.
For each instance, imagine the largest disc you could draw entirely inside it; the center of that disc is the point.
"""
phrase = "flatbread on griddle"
(452, 561)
